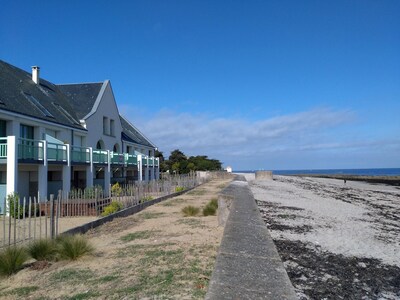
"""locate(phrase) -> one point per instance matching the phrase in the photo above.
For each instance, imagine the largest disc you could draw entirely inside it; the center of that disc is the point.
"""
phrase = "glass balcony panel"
(3, 147)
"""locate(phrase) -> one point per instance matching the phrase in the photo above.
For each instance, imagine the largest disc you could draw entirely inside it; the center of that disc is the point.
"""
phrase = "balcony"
(100, 157)
(3, 148)
(80, 155)
(40, 151)
(30, 150)
(57, 153)
(117, 158)
(131, 160)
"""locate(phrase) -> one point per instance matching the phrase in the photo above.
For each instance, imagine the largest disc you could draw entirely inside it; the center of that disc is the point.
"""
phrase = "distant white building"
(58, 137)
(228, 169)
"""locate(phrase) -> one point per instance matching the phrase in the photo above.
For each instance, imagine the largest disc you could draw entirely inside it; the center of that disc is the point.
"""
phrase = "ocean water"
(367, 172)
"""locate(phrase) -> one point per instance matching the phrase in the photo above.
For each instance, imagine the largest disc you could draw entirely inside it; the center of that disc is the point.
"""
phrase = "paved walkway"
(248, 265)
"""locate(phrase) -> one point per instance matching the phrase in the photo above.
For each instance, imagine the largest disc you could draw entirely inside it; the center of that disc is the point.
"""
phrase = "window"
(106, 129)
(3, 128)
(112, 127)
(116, 148)
(129, 149)
(26, 132)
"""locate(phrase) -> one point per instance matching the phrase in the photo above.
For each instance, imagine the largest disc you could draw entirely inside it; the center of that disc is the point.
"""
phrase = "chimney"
(35, 74)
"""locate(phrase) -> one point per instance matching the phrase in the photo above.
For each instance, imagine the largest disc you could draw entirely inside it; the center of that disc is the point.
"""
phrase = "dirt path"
(156, 254)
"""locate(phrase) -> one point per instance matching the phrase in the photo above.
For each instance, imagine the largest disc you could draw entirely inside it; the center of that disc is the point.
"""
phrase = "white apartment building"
(58, 137)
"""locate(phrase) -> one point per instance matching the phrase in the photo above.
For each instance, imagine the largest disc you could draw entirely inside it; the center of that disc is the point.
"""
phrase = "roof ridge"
(99, 82)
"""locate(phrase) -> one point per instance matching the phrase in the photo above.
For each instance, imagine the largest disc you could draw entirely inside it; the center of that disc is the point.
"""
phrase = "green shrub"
(211, 208)
(179, 189)
(116, 189)
(112, 208)
(147, 198)
(12, 259)
(72, 247)
(189, 211)
(16, 209)
(44, 249)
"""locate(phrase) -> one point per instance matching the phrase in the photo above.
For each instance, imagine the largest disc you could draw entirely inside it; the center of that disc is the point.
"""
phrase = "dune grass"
(12, 259)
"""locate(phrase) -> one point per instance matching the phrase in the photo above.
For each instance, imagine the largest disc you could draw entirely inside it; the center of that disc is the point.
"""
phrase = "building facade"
(59, 137)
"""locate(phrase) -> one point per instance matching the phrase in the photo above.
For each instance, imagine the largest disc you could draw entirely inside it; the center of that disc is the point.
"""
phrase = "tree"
(179, 163)
(164, 167)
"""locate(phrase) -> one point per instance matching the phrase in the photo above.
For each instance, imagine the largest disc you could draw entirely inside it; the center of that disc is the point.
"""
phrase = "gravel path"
(337, 241)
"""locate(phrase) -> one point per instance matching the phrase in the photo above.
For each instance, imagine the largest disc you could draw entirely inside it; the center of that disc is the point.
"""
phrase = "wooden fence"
(30, 219)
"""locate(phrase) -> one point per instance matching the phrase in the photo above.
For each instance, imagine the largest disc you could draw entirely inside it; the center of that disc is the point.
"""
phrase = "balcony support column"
(146, 172)
(107, 175)
(157, 171)
(66, 173)
(139, 165)
(153, 171)
(42, 181)
(89, 169)
(12, 167)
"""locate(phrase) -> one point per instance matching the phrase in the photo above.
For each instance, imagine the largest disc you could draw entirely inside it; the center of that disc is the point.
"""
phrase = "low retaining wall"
(264, 175)
(248, 265)
(122, 213)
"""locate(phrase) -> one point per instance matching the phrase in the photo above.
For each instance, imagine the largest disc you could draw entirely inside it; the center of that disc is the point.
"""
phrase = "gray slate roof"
(66, 103)
(82, 96)
(131, 134)
(18, 93)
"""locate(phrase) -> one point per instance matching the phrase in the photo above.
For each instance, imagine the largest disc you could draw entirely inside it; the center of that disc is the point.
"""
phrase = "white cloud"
(244, 142)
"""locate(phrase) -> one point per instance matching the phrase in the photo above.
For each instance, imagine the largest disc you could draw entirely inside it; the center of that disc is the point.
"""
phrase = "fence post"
(4, 220)
(15, 219)
(52, 221)
(58, 211)
(95, 201)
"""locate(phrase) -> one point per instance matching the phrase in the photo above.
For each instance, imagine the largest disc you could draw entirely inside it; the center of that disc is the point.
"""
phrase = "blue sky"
(255, 84)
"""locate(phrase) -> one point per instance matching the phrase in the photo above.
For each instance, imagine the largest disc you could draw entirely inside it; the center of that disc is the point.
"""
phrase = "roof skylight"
(66, 114)
(37, 104)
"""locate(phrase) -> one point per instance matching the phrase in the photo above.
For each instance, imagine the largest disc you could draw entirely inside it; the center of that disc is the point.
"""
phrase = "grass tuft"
(190, 211)
(72, 247)
(211, 208)
(43, 250)
(12, 259)
(142, 235)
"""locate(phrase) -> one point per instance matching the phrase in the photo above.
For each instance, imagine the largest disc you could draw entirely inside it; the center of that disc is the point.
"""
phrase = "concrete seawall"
(248, 265)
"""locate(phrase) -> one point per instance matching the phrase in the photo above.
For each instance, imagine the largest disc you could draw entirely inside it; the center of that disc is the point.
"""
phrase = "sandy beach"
(337, 240)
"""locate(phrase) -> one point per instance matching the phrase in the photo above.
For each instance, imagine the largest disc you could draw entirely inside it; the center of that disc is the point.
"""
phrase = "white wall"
(94, 124)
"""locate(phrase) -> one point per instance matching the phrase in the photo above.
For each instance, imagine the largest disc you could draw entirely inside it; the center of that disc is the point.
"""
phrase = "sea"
(365, 172)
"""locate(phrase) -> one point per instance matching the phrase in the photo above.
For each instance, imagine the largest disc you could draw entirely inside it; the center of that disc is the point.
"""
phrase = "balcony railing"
(3, 147)
(131, 160)
(117, 158)
(100, 157)
(80, 154)
(30, 149)
(56, 152)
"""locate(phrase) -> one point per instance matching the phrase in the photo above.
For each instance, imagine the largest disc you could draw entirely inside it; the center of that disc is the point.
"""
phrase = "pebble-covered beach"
(337, 240)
